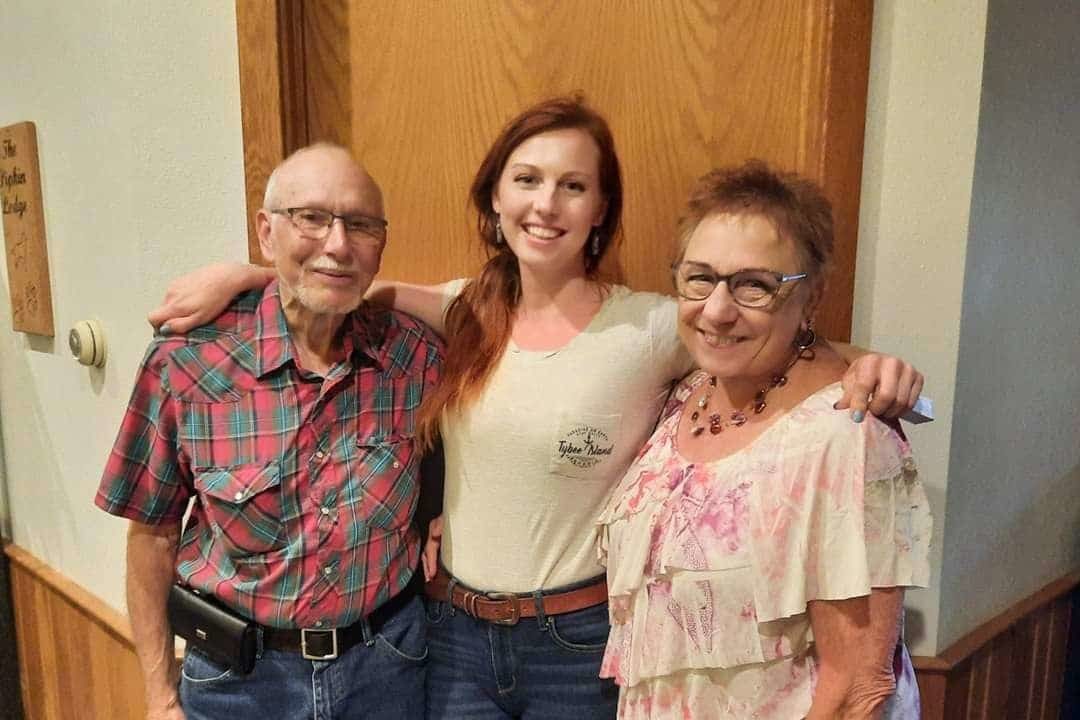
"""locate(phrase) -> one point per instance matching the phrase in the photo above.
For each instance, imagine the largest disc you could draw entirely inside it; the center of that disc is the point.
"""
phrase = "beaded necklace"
(716, 422)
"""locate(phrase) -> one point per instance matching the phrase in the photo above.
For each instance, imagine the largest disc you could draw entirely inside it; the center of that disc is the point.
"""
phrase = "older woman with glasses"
(759, 546)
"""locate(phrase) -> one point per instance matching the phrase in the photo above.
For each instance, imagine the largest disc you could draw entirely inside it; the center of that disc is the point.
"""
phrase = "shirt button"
(320, 454)
(396, 464)
(325, 511)
(318, 623)
(328, 571)
(239, 495)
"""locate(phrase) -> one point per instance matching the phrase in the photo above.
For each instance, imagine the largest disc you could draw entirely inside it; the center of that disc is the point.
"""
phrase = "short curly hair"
(796, 206)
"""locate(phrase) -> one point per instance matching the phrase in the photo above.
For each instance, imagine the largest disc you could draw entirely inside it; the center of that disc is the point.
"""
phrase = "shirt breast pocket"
(244, 505)
(583, 446)
(387, 469)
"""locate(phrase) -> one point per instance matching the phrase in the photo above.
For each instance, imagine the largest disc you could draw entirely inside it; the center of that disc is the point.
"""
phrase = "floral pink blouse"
(711, 565)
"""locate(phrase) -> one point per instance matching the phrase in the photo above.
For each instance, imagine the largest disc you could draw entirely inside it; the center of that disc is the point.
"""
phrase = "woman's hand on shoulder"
(198, 297)
(884, 385)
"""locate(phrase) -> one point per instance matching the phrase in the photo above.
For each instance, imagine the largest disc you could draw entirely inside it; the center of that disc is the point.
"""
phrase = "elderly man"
(289, 420)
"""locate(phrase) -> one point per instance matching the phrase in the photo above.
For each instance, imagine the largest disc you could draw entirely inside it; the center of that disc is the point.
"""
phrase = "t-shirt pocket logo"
(583, 444)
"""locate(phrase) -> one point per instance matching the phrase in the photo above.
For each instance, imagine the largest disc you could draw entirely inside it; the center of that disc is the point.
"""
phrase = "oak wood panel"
(328, 77)
(844, 112)
(969, 644)
(261, 108)
(419, 89)
(1057, 652)
(1010, 667)
(292, 56)
(76, 655)
(932, 688)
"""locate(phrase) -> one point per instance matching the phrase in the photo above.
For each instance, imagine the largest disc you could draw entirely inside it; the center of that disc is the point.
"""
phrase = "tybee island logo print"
(585, 446)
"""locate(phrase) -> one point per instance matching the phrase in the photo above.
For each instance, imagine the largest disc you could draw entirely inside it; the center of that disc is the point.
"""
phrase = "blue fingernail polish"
(858, 416)
(164, 329)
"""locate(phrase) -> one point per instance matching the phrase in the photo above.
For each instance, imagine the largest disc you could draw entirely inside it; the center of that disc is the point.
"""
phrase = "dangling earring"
(595, 243)
(805, 340)
(499, 239)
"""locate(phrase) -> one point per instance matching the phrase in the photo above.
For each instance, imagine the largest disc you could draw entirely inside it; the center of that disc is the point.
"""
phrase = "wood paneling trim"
(292, 55)
(1011, 666)
(848, 75)
(110, 620)
(261, 113)
(76, 655)
(271, 40)
(968, 645)
(327, 71)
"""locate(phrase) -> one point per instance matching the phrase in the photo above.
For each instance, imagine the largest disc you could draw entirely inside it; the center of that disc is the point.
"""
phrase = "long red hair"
(480, 320)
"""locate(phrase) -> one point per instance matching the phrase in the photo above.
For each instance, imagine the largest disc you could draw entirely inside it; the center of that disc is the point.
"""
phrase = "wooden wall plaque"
(24, 230)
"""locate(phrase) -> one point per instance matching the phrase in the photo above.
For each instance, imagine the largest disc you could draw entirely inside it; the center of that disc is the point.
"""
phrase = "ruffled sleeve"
(845, 512)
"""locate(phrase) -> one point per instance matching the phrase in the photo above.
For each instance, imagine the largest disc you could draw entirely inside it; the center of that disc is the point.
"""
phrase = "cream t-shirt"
(530, 464)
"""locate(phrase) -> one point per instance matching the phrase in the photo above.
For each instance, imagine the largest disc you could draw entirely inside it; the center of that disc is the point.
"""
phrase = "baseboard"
(76, 656)
(1010, 667)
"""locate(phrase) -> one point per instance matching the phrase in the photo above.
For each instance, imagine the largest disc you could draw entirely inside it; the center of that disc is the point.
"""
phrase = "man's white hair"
(270, 194)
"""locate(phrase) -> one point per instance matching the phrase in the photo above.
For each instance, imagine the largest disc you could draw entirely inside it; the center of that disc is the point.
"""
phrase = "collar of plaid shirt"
(363, 331)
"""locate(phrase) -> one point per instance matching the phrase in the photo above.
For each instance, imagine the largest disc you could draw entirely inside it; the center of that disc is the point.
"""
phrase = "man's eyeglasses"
(749, 288)
(315, 223)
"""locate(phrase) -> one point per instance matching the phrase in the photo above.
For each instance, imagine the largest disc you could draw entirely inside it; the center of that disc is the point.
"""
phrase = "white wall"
(922, 116)
(968, 253)
(1013, 513)
(138, 116)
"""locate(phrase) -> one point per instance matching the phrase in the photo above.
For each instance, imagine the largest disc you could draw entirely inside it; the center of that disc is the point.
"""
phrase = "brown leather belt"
(508, 608)
(328, 644)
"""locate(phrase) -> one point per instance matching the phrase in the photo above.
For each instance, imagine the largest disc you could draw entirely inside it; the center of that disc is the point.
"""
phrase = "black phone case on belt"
(219, 633)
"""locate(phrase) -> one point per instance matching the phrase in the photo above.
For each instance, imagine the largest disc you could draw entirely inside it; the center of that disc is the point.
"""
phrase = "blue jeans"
(546, 667)
(380, 678)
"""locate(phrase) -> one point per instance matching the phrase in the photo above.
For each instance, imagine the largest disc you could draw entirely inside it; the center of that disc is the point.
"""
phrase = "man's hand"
(151, 558)
(430, 556)
(200, 296)
(885, 385)
(169, 711)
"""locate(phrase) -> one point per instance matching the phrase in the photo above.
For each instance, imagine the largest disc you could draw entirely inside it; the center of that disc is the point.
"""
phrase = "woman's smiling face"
(724, 338)
(549, 199)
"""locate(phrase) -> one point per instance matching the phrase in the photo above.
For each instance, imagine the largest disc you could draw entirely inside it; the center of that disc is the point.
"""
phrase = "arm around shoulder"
(427, 303)
(197, 298)
(884, 385)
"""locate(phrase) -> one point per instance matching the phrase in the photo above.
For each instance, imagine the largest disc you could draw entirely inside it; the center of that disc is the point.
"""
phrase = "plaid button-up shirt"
(304, 486)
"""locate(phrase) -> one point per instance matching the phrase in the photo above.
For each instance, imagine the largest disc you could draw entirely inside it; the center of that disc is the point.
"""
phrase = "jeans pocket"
(583, 630)
(200, 670)
(404, 636)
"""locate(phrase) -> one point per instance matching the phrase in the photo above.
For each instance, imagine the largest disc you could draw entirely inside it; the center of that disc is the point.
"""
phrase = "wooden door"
(419, 88)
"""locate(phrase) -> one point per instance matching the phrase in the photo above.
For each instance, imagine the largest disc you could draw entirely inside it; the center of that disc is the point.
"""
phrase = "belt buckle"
(515, 605)
(332, 655)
